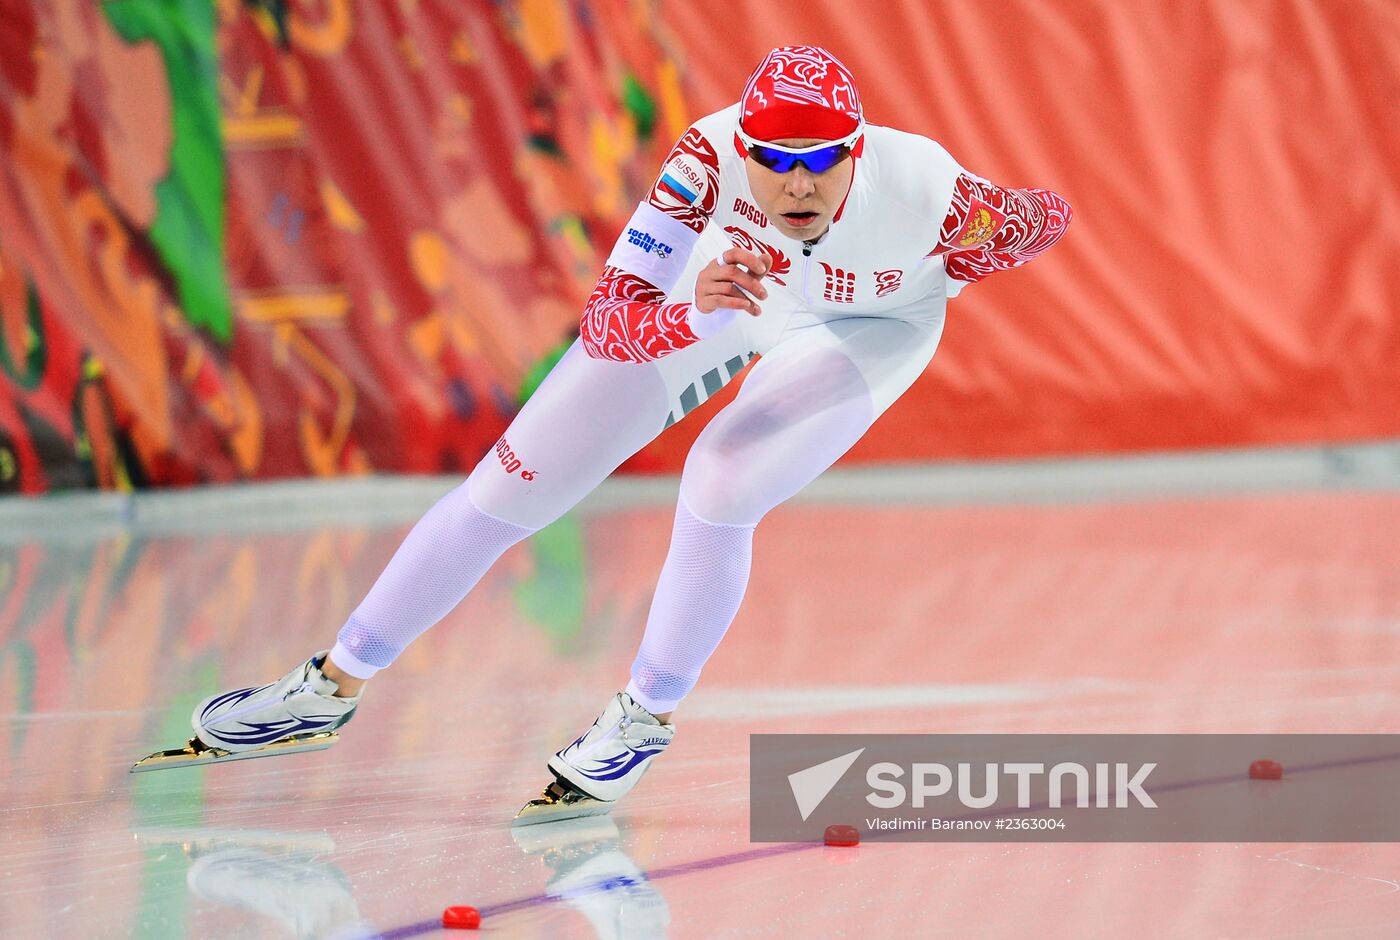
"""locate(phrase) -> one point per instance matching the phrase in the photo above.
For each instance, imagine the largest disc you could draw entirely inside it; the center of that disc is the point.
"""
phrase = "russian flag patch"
(677, 189)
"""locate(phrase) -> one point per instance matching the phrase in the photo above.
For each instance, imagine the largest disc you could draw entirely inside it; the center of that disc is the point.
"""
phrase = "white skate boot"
(299, 713)
(602, 765)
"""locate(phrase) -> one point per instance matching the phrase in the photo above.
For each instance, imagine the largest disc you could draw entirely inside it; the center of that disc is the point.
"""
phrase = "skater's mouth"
(799, 219)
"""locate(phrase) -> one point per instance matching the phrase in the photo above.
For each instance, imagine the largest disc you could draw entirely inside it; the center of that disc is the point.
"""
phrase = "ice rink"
(1230, 593)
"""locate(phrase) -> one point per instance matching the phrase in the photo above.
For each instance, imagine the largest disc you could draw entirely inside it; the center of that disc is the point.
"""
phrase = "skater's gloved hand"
(732, 281)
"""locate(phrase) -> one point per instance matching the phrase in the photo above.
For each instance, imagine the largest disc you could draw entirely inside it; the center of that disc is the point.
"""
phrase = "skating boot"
(602, 765)
(299, 713)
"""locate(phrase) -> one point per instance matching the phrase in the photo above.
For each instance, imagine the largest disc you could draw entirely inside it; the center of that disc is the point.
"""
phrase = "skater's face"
(800, 203)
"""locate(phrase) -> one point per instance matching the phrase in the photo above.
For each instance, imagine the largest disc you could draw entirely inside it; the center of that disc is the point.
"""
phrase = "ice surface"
(1246, 612)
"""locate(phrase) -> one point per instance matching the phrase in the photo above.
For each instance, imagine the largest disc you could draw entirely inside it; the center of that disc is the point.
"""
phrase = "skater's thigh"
(586, 418)
(807, 401)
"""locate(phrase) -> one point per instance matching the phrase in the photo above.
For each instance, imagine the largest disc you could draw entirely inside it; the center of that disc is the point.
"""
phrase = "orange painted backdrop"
(251, 240)
(1232, 275)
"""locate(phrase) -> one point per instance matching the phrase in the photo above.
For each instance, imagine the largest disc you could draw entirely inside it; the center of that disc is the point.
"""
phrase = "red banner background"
(252, 241)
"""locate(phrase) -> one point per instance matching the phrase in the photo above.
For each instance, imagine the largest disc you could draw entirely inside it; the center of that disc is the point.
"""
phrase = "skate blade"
(196, 752)
(558, 803)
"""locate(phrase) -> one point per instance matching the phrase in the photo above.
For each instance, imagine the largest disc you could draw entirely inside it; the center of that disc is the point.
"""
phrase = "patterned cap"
(800, 91)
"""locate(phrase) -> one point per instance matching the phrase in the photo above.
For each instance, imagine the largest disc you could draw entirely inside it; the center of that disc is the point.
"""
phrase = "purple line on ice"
(789, 848)
(535, 900)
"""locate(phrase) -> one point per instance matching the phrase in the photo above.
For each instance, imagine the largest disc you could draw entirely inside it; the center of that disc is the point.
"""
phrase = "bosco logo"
(510, 462)
(750, 212)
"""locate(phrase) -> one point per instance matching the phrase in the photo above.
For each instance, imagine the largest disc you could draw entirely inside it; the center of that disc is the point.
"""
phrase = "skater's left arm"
(989, 228)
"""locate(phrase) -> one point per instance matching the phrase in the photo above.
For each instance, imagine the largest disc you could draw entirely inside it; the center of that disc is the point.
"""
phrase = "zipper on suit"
(806, 268)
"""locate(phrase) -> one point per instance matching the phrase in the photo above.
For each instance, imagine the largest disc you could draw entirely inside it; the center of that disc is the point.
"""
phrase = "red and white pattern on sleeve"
(990, 229)
(688, 188)
(625, 321)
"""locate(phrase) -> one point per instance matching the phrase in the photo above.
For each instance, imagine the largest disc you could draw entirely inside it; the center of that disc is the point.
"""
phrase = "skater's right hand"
(724, 282)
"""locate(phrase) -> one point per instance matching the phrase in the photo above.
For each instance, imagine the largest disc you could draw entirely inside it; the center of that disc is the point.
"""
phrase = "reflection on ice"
(281, 877)
(590, 872)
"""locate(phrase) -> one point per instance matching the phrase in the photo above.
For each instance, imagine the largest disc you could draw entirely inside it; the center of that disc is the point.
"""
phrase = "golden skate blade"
(554, 805)
(195, 752)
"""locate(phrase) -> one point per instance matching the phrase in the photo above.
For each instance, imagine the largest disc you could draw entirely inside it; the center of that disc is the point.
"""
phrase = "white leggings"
(813, 394)
(816, 390)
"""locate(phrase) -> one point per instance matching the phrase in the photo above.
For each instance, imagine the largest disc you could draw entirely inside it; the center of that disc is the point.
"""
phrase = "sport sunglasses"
(817, 159)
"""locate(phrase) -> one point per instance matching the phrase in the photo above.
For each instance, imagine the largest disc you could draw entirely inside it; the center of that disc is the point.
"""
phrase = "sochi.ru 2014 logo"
(648, 243)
